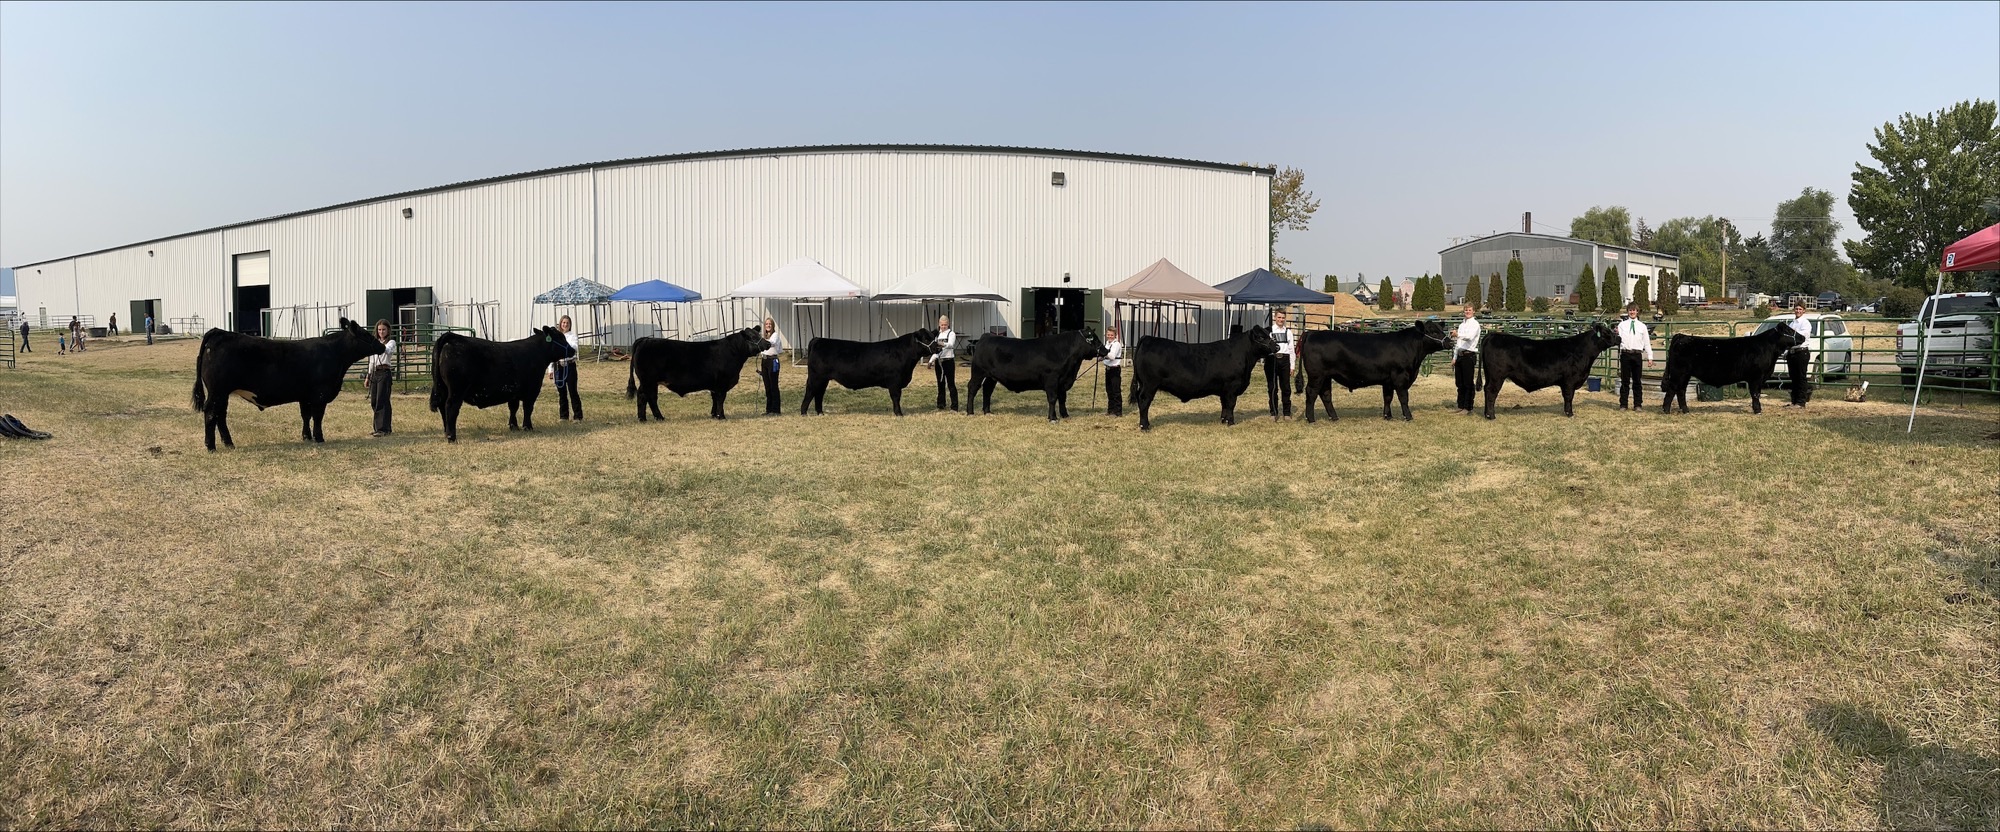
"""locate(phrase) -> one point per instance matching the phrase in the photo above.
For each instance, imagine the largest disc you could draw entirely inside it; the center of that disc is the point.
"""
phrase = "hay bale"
(1344, 307)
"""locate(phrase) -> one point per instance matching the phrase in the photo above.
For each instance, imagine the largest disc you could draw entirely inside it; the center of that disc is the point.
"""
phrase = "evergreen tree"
(1331, 285)
(1613, 292)
(1517, 287)
(1669, 297)
(1540, 305)
(1586, 291)
(1471, 297)
(1496, 293)
(1434, 293)
(1385, 296)
(1642, 294)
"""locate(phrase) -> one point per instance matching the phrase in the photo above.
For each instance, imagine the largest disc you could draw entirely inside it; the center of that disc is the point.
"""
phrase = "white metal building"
(1034, 224)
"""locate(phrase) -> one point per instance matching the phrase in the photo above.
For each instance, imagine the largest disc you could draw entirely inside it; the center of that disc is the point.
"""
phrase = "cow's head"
(1260, 338)
(552, 343)
(751, 340)
(1785, 335)
(924, 343)
(1093, 344)
(1602, 337)
(358, 342)
(1436, 337)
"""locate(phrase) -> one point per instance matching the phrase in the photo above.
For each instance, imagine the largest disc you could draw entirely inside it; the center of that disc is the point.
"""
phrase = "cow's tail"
(632, 378)
(437, 378)
(200, 398)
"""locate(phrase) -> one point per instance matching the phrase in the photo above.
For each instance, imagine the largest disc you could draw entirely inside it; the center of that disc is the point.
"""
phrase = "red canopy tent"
(1978, 252)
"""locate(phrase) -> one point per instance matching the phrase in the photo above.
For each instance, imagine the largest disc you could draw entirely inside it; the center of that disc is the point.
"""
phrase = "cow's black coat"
(1535, 363)
(267, 373)
(1192, 371)
(687, 366)
(1367, 359)
(1720, 361)
(861, 364)
(1048, 364)
(467, 370)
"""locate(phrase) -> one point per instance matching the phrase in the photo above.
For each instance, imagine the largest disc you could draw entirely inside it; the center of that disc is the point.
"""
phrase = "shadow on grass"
(1957, 430)
(1923, 786)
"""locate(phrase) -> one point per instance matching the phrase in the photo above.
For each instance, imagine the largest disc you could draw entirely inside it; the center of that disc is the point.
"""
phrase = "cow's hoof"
(1489, 417)
(451, 439)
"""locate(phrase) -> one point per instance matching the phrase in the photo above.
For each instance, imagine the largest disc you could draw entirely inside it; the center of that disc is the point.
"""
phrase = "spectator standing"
(1465, 358)
(1635, 342)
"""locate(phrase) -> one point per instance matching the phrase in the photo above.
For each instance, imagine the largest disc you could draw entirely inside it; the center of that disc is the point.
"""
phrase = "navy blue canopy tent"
(656, 291)
(1260, 286)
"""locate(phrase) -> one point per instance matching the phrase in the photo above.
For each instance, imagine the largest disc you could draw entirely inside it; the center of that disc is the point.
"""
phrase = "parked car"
(1961, 336)
(1830, 301)
(1829, 350)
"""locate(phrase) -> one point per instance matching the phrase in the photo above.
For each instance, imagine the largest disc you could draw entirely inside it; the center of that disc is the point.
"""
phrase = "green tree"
(1706, 247)
(1926, 191)
(1471, 296)
(1802, 243)
(1292, 208)
(1496, 293)
(1540, 305)
(1517, 287)
(1642, 237)
(1612, 293)
(1586, 291)
(1612, 226)
(1902, 302)
(1668, 298)
(1385, 296)
(1330, 284)
(1434, 292)
(1642, 294)
(1420, 297)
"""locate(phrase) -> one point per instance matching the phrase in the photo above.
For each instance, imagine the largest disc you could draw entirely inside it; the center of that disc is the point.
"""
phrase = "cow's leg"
(1388, 401)
(1569, 397)
(639, 400)
(215, 419)
(973, 384)
(1143, 397)
(1062, 403)
(514, 415)
(653, 402)
(305, 422)
(1326, 396)
(715, 398)
(1228, 409)
(1403, 396)
(1757, 396)
(1492, 393)
(896, 400)
(527, 414)
(985, 396)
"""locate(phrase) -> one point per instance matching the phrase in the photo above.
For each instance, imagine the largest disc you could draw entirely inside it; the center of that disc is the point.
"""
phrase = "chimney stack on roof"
(1527, 222)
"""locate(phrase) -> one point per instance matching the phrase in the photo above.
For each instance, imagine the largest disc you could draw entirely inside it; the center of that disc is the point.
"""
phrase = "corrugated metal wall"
(712, 225)
(1551, 266)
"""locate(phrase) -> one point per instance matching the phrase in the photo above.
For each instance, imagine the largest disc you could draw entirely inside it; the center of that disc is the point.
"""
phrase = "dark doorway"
(1043, 315)
(251, 301)
(141, 310)
(409, 312)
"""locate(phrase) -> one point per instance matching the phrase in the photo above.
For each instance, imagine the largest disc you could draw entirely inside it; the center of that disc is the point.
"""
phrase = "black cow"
(1049, 364)
(268, 373)
(1192, 371)
(1720, 361)
(861, 364)
(1535, 363)
(687, 366)
(467, 370)
(1366, 359)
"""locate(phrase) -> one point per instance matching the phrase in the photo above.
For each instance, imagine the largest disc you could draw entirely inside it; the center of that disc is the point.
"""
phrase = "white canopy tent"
(809, 286)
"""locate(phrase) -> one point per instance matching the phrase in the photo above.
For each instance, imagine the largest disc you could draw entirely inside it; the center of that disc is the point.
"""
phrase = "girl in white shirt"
(377, 379)
(945, 364)
(767, 365)
(1114, 369)
(1278, 368)
(563, 373)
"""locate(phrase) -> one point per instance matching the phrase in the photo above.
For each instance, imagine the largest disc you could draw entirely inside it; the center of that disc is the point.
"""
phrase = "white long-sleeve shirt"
(1283, 335)
(777, 345)
(573, 350)
(1633, 335)
(1803, 327)
(1114, 353)
(386, 360)
(1468, 336)
(947, 341)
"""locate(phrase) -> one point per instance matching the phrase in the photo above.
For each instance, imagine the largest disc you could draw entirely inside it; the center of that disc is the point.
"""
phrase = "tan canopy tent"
(1163, 281)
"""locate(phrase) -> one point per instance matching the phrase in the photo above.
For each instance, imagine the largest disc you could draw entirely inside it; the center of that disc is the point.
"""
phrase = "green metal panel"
(1093, 310)
(381, 307)
(426, 314)
(137, 323)
(1026, 329)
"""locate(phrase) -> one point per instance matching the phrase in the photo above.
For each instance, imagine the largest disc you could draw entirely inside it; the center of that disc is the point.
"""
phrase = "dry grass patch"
(1621, 619)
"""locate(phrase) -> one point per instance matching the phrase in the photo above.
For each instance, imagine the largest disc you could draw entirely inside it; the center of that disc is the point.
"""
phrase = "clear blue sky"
(1414, 123)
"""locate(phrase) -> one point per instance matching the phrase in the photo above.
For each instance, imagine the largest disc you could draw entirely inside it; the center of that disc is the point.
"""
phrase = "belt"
(1631, 352)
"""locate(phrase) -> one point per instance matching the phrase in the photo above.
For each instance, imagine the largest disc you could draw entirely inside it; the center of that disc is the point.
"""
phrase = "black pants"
(378, 397)
(1799, 363)
(1464, 370)
(947, 378)
(1629, 383)
(1114, 398)
(24, 342)
(567, 398)
(1278, 382)
(769, 366)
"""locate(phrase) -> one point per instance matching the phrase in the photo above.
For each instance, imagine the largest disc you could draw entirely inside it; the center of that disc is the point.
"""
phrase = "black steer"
(687, 366)
(1367, 359)
(467, 370)
(861, 364)
(1535, 363)
(1720, 361)
(1049, 364)
(268, 373)
(1192, 371)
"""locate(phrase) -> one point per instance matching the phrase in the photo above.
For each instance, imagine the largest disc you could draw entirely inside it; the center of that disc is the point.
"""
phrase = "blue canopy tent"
(655, 294)
(1259, 287)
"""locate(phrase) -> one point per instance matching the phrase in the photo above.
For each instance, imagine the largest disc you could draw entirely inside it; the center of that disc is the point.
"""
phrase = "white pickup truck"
(1961, 337)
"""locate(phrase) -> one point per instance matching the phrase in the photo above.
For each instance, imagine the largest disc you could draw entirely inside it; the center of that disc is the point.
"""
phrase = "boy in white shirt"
(1635, 342)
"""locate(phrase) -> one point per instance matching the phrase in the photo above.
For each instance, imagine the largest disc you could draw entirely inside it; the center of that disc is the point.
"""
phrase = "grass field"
(1621, 619)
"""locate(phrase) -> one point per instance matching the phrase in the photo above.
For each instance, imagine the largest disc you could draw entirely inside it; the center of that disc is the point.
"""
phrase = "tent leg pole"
(1923, 361)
